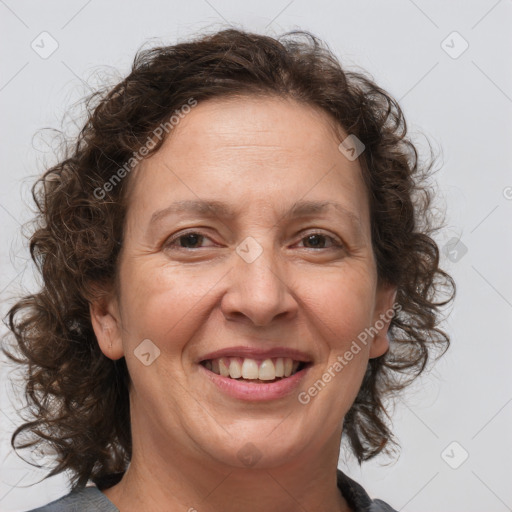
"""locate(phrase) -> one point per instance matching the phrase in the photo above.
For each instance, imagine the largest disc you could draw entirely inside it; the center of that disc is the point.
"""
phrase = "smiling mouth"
(256, 371)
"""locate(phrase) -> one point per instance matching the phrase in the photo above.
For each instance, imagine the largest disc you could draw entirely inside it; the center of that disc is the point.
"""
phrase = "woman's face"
(279, 265)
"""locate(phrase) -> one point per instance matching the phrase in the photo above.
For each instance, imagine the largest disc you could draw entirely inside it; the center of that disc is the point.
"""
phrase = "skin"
(260, 156)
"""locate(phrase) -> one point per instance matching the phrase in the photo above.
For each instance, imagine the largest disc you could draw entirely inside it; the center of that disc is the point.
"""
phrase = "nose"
(259, 292)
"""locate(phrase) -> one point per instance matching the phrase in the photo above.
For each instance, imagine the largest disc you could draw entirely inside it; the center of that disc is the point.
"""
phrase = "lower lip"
(253, 392)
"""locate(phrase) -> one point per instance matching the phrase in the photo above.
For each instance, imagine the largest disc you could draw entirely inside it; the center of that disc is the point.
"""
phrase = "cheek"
(161, 302)
(167, 306)
(343, 303)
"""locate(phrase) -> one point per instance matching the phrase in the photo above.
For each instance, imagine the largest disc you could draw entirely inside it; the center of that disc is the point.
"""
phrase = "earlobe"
(384, 313)
(107, 327)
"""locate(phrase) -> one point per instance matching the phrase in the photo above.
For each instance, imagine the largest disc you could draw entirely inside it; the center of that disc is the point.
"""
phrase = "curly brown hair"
(78, 397)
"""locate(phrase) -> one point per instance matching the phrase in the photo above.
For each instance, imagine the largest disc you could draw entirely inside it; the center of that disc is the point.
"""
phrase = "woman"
(237, 273)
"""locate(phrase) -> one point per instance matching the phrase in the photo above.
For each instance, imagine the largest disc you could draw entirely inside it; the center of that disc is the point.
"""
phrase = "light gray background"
(462, 104)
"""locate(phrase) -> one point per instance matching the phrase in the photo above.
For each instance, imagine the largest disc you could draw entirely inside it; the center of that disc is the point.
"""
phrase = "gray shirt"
(91, 499)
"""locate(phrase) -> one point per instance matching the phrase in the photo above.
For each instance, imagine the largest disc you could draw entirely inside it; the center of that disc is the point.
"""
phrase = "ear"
(107, 326)
(384, 313)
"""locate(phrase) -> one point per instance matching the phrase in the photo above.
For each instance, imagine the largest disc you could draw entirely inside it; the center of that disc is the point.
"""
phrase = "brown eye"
(318, 241)
(191, 240)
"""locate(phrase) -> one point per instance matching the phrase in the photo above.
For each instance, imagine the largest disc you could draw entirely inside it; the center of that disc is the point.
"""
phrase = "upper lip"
(257, 353)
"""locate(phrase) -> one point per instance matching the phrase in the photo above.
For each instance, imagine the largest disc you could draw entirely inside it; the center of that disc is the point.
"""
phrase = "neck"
(168, 472)
(162, 480)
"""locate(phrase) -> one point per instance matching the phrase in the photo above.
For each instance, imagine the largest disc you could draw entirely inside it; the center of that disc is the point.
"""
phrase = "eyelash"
(336, 243)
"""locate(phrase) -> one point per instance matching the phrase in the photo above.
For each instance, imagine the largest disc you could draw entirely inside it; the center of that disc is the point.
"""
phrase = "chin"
(253, 447)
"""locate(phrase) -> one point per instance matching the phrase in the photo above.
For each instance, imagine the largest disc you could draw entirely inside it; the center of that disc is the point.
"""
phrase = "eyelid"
(173, 238)
(337, 242)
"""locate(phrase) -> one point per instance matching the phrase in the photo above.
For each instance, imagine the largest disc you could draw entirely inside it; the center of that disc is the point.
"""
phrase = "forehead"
(256, 121)
(249, 148)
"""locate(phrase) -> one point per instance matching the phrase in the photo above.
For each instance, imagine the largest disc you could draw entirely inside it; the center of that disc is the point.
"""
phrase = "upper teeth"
(247, 368)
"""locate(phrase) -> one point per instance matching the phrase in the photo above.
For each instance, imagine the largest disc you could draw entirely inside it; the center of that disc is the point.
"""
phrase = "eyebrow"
(220, 209)
(307, 208)
(204, 208)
